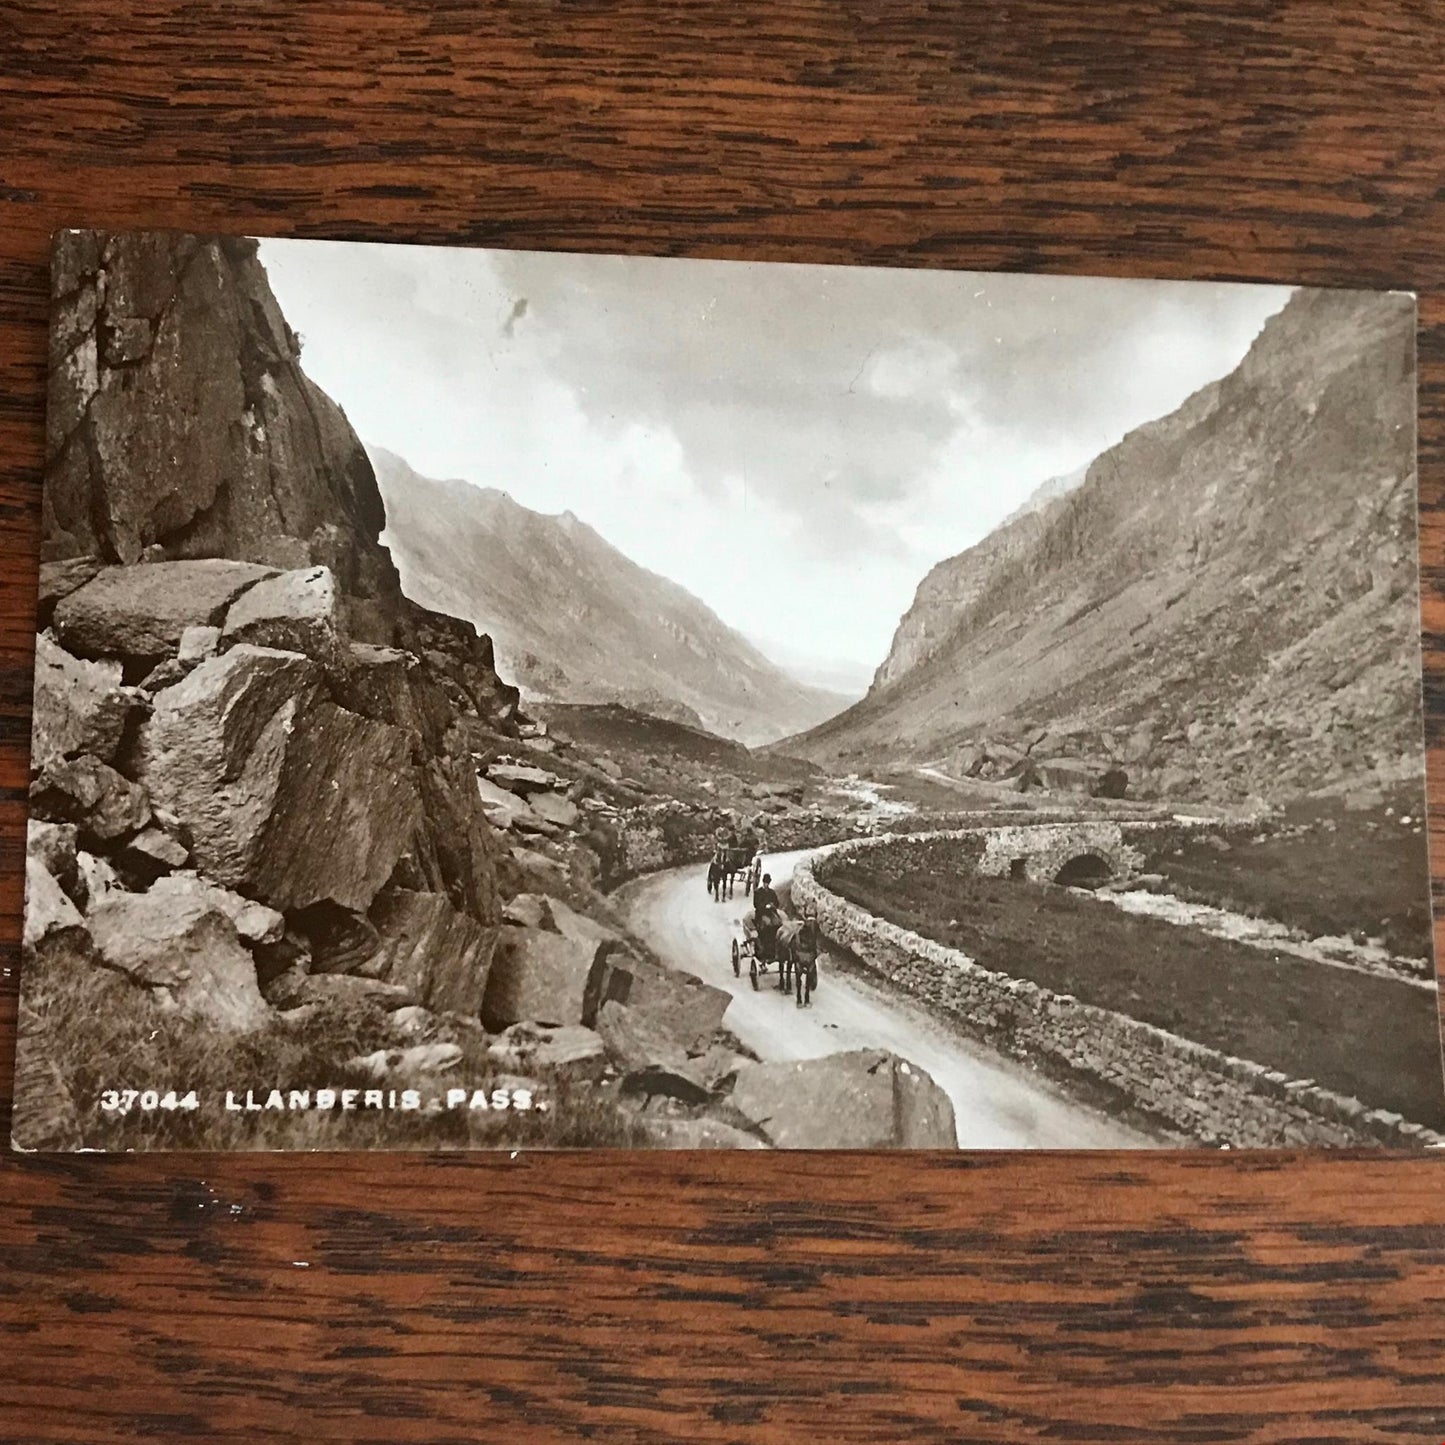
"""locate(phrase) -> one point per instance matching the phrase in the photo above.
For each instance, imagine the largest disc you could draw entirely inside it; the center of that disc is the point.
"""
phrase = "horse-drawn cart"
(788, 948)
(728, 867)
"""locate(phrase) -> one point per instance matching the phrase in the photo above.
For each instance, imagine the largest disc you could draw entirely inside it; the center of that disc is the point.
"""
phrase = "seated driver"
(765, 910)
(764, 896)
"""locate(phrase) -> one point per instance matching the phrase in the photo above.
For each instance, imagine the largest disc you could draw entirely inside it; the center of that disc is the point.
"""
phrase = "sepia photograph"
(512, 699)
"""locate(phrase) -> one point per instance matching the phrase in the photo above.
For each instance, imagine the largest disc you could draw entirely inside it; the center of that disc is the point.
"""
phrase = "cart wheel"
(753, 971)
(737, 960)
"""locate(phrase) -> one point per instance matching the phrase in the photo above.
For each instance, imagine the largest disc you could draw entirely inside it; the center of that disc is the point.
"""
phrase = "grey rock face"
(539, 977)
(442, 955)
(679, 1005)
(286, 796)
(180, 946)
(102, 803)
(79, 707)
(867, 1099)
(636, 1041)
(139, 613)
(295, 611)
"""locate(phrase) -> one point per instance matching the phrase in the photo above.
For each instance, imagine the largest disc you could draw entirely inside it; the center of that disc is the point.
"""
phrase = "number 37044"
(123, 1101)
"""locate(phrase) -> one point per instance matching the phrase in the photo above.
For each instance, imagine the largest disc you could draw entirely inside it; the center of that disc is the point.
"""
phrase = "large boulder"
(102, 804)
(503, 809)
(52, 922)
(391, 686)
(296, 611)
(553, 808)
(184, 949)
(54, 846)
(79, 707)
(287, 797)
(254, 922)
(679, 1005)
(539, 977)
(866, 1099)
(149, 855)
(441, 955)
(139, 613)
(60, 579)
(567, 920)
(453, 850)
(636, 1041)
(523, 778)
(1113, 782)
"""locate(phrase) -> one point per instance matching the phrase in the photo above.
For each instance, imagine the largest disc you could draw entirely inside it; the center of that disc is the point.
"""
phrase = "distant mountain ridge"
(958, 581)
(1226, 606)
(574, 620)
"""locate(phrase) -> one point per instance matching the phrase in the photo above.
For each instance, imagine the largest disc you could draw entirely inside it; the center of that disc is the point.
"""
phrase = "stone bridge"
(1083, 852)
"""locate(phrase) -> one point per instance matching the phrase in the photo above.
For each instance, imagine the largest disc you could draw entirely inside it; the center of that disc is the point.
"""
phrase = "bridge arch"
(1084, 870)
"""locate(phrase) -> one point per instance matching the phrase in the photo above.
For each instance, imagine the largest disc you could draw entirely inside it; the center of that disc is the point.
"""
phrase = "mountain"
(958, 581)
(574, 620)
(1226, 606)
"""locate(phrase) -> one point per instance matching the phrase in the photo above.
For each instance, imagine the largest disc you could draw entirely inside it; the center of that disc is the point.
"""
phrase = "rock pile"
(253, 763)
(1083, 764)
(253, 808)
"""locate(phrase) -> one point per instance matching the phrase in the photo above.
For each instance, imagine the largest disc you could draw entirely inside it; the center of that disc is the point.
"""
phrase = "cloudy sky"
(797, 445)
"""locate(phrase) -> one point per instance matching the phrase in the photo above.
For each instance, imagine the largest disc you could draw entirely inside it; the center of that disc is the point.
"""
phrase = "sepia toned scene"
(497, 699)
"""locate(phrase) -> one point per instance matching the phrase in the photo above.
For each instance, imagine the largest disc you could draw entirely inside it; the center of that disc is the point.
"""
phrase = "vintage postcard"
(496, 699)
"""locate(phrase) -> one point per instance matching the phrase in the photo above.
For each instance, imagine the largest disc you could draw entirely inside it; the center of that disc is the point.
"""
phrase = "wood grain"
(715, 1298)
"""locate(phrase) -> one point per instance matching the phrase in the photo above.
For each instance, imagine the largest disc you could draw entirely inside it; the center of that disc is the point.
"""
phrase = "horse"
(716, 876)
(733, 865)
(797, 948)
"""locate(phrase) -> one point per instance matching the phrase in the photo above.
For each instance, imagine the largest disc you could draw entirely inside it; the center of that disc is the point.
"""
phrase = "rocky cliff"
(957, 582)
(254, 760)
(575, 620)
(1225, 607)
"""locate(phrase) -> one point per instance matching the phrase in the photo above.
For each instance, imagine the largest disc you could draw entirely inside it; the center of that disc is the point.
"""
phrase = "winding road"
(997, 1104)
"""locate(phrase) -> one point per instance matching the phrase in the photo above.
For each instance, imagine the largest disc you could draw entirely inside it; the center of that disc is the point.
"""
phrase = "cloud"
(795, 444)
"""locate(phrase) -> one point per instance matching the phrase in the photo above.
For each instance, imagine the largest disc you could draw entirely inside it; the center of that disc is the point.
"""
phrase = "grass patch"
(94, 1031)
(1322, 868)
(1373, 1038)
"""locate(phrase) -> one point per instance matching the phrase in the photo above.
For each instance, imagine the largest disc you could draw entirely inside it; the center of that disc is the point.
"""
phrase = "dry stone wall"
(1209, 1096)
(670, 834)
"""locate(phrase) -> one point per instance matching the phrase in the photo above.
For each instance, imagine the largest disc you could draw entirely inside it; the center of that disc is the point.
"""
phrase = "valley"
(342, 775)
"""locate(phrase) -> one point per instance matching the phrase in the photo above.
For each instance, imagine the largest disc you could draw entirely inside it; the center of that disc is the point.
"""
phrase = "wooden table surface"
(729, 1298)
